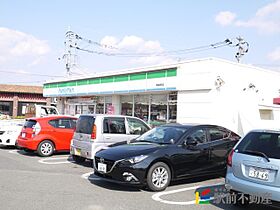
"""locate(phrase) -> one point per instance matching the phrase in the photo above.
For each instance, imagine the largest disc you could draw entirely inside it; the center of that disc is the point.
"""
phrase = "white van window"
(114, 125)
(136, 127)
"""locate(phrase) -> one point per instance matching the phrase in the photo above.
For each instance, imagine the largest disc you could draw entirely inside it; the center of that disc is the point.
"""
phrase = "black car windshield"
(163, 135)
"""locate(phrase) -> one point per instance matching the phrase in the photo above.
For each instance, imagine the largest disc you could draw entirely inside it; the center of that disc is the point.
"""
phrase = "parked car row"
(125, 149)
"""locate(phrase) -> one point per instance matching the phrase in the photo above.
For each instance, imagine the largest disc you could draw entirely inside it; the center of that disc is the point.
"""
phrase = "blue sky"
(32, 34)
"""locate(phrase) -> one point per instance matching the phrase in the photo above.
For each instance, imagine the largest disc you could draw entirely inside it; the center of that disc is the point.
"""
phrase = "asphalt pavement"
(28, 181)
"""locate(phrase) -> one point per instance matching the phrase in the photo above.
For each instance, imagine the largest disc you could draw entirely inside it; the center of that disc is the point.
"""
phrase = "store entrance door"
(85, 109)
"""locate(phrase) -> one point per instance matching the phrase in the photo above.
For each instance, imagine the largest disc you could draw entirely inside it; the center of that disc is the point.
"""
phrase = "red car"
(47, 134)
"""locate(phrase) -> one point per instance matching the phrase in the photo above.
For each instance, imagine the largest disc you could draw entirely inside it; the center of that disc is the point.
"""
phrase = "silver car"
(96, 131)
(254, 166)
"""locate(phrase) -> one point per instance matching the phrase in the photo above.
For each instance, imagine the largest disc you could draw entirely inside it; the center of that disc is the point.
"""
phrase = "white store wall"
(233, 105)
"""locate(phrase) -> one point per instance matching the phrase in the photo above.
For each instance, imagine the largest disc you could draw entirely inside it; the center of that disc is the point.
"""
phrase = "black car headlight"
(137, 159)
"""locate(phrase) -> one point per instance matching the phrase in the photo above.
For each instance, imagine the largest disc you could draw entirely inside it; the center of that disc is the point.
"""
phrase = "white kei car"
(9, 131)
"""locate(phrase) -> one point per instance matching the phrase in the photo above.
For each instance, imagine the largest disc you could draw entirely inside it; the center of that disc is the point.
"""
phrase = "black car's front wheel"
(158, 177)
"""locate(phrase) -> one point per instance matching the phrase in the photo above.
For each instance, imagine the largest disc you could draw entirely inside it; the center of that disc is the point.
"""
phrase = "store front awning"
(276, 101)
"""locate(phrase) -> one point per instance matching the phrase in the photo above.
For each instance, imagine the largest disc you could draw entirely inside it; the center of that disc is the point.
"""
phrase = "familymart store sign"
(159, 80)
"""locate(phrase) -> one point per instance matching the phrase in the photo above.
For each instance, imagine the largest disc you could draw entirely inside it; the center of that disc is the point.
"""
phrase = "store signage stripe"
(107, 80)
(94, 81)
(109, 92)
(153, 75)
(171, 73)
(121, 78)
(155, 89)
(138, 76)
(117, 78)
(140, 90)
(121, 91)
(106, 92)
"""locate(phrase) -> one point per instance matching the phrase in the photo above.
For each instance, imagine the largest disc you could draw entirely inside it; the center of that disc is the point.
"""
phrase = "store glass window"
(71, 109)
(126, 105)
(172, 106)
(158, 113)
(78, 109)
(109, 109)
(99, 105)
(6, 108)
(141, 108)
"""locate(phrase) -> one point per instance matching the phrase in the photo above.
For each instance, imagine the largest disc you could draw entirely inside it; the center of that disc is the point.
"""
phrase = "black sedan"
(165, 153)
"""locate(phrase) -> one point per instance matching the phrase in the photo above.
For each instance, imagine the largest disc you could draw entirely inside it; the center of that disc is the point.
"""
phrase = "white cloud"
(263, 26)
(225, 18)
(265, 20)
(109, 41)
(15, 45)
(133, 44)
(138, 48)
(275, 55)
(269, 9)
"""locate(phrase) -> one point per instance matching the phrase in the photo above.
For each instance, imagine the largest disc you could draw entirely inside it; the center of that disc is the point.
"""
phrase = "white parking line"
(87, 176)
(52, 161)
(14, 151)
(156, 197)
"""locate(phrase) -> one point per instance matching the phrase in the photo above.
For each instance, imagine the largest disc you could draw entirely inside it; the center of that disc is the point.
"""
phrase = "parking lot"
(31, 182)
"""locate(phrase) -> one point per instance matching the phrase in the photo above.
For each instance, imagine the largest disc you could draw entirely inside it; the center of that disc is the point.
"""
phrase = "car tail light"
(229, 159)
(93, 134)
(36, 129)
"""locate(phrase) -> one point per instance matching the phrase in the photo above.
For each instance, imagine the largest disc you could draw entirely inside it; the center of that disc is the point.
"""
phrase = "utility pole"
(70, 56)
(243, 48)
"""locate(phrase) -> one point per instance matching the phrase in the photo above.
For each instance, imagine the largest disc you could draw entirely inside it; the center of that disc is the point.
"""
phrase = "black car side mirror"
(190, 142)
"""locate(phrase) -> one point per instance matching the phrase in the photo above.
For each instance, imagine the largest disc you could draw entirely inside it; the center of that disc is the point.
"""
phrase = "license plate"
(102, 167)
(23, 135)
(78, 152)
(258, 173)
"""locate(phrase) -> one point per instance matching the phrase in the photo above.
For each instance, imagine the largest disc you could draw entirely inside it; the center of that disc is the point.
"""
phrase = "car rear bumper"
(85, 149)
(27, 143)
(251, 188)
(81, 151)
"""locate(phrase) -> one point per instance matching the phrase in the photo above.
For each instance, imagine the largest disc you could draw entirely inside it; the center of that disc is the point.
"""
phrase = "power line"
(166, 53)
(94, 42)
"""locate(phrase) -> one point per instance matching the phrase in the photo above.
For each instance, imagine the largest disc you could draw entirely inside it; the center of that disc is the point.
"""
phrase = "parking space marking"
(14, 151)
(156, 197)
(87, 176)
(52, 160)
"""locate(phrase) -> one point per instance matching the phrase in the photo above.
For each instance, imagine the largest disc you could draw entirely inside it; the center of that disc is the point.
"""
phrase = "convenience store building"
(207, 90)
